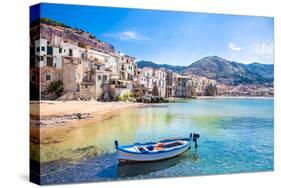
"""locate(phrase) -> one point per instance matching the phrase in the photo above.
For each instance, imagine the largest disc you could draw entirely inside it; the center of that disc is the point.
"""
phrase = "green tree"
(56, 87)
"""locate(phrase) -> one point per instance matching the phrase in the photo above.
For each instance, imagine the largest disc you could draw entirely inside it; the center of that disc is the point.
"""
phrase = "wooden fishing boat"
(155, 151)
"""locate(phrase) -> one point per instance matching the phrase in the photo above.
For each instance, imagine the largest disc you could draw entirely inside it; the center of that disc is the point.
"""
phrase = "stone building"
(96, 74)
(126, 67)
(150, 81)
(91, 69)
(170, 84)
(203, 86)
(144, 77)
(81, 62)
(72, 68)
(49, 62)
(184, 86)
(159, 80)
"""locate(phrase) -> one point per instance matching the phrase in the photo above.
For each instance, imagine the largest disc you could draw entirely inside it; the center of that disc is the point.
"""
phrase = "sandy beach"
(57, 113)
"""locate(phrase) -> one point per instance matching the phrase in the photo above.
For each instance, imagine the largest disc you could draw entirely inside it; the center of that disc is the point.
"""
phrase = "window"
(98, 67)
(49, 50)
(70, 52)
(41, 58)
(38, 49)
(49, 61)
(82, 55)
(43, 48)
(60, 50)
(48, 77)
(99, 77)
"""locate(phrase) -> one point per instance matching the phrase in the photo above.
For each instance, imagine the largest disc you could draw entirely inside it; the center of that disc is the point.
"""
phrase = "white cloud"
(265, 49)
(128, 35)
(232, 47)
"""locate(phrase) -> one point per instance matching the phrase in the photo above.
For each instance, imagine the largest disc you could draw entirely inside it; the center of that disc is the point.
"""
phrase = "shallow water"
(236, 136)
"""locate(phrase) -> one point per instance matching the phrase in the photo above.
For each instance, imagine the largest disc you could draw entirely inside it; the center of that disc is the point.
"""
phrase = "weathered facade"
(126, 67)
(203, 86)
(151, 81)
(86, 66)
(91, 69)
(159, 81)
(170, 84)
(191, 86)
(183, 86)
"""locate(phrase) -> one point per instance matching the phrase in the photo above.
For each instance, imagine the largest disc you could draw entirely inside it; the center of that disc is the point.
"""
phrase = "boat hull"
(124, 156)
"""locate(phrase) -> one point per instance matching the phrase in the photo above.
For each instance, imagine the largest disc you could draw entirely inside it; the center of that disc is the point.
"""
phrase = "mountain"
(230, 72)
(49, 28)
(174, 68)
(222, 70)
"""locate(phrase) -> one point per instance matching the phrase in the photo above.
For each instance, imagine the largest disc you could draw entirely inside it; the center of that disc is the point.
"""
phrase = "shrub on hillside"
(56, 87)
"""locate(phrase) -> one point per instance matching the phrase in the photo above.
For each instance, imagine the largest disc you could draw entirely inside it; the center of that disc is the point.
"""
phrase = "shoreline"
(235, 97)
(176, 99)
(45, 114)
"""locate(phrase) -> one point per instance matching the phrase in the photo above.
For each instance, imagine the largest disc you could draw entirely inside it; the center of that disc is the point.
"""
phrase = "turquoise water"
(236, 136)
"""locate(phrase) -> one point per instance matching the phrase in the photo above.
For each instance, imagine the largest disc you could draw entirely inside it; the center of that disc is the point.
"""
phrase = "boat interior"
(156, 147)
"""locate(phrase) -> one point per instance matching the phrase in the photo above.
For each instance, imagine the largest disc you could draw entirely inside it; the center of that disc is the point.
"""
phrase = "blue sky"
(178, 38)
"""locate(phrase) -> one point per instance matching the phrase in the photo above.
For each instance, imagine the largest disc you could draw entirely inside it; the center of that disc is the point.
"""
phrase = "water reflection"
(237, 139)
(130, 126)
(135, 169)
(142, 168)
(115, 170)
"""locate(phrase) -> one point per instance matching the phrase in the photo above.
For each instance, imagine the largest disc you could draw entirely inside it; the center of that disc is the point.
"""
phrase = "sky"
(171, 37)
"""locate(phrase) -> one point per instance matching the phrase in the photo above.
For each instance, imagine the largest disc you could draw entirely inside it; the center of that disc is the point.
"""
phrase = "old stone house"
(170, 84)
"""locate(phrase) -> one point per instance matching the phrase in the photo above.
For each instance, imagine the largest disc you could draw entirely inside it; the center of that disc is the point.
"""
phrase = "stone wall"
(48, 75)
(71, 76)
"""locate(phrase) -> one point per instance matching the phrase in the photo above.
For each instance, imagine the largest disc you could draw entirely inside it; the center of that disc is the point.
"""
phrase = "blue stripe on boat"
(122, 148)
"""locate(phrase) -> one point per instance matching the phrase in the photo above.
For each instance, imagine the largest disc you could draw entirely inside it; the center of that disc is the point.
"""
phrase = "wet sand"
(52, 116)
(56, 108)
(52, 113)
